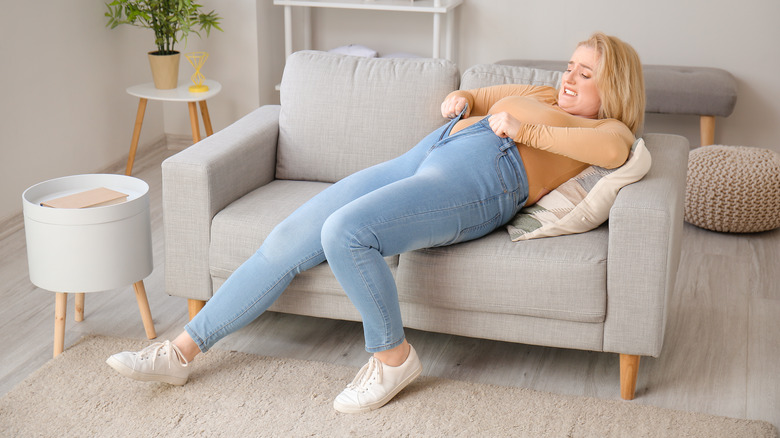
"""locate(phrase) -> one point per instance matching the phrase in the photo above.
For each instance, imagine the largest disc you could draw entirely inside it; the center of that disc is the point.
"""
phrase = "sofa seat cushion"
(562, 277)
(238, 231)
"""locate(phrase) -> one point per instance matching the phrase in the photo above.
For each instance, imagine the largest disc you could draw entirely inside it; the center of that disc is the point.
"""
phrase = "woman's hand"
(504, 125)
(452, 106)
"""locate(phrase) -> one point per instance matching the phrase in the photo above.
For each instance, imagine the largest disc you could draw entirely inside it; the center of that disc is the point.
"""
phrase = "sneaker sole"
(135, 375)
(381, 402)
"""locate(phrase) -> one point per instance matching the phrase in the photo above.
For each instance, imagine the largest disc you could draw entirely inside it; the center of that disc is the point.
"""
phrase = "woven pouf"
(733, 189)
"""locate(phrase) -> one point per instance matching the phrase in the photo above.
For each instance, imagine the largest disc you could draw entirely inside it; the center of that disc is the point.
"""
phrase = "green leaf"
(171, 20)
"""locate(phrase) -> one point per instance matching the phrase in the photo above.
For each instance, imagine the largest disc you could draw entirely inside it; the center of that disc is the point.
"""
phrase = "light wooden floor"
(721, 354)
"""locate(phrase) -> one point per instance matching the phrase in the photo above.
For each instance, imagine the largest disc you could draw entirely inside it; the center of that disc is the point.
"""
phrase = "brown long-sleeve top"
(554, 145)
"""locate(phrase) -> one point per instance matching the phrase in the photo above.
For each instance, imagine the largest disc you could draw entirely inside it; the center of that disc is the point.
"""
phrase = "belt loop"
(506, 143)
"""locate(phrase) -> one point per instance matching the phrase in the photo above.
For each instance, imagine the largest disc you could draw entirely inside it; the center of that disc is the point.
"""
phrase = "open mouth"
(569, 92)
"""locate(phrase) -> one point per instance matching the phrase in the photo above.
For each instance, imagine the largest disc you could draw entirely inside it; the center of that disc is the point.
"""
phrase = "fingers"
(503, 125)
(460, 104)
(451, 107)
(445, 109)
(496, 124)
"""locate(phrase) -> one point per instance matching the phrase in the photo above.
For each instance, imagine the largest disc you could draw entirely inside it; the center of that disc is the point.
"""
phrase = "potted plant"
(172, 21)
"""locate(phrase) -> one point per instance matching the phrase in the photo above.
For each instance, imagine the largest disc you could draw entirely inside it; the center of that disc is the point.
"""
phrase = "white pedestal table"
(82, 250)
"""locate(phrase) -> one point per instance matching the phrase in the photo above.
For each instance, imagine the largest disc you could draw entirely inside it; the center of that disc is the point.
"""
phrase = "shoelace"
(369, 370)
(168, 347)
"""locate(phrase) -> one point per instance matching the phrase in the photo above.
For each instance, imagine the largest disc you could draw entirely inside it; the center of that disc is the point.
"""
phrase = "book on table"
(98, 197)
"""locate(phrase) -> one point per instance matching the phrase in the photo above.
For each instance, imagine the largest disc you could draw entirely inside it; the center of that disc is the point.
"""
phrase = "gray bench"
(703, 91)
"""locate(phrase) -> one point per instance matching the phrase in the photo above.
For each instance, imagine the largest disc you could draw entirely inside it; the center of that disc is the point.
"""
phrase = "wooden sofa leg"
(707, 130)
(194, 306)
(629, 369)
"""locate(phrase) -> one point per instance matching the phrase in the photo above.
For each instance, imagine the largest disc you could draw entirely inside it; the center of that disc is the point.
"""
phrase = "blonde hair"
(620, 80)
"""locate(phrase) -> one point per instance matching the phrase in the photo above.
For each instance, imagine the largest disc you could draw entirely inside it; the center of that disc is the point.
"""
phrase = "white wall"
(64, 109)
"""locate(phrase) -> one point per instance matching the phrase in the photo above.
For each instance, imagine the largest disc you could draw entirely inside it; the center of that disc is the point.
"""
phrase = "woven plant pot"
(733, 189)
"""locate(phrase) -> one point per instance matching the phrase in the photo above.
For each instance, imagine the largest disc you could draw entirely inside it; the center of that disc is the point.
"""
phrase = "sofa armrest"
(202, 180)
(645, 233)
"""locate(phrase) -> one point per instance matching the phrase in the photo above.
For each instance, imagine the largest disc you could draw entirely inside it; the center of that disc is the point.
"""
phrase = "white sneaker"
(376, 384)
(159, 362)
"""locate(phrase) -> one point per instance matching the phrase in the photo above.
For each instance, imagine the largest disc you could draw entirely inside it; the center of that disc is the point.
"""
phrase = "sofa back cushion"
(486, 75)
(341, 114)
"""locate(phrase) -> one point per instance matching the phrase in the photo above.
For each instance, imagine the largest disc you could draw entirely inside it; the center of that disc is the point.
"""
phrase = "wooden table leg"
(60, 311)
(204, 112)
(79, 307)
(143, 306)
(139, 120)
(194, 121)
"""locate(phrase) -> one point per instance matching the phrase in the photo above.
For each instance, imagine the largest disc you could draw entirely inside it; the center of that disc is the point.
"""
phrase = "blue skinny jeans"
(445, 190)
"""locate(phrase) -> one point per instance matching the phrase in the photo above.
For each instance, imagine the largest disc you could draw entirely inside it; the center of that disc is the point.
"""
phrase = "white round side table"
(147, 91)
(79, 250)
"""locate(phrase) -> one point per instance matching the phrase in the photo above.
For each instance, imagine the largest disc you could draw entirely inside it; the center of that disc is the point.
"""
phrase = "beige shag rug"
(234, 394)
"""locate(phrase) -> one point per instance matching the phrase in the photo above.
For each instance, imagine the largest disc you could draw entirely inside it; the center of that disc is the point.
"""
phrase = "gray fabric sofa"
(604, 290)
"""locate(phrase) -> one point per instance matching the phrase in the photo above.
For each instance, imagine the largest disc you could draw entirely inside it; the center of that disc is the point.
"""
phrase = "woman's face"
(579, 94)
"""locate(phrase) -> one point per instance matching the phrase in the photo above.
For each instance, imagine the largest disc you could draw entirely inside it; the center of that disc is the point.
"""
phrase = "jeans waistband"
(483, 124)
(506, 142)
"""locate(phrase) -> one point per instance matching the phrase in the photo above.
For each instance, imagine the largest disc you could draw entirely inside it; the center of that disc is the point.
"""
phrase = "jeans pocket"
(511, 173)
(506, 174)
(478, 231)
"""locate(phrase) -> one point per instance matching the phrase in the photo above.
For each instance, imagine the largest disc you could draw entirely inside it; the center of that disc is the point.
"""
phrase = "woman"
(504, 148)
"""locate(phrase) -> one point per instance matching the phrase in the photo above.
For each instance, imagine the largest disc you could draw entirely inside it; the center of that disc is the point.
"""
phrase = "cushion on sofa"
(581, 203)
(384, 106)
(486, 75)
(239, 230)
(463, 279)
(495, 275)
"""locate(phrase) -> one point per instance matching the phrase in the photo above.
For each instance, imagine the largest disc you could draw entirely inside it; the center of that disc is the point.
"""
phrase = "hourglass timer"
(197, 59)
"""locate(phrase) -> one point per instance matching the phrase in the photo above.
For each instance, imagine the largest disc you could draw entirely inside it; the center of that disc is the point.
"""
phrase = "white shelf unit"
(438, 8)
